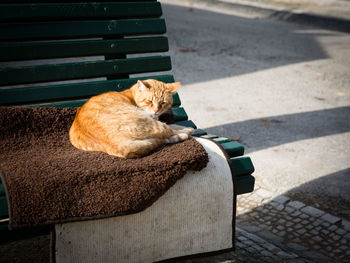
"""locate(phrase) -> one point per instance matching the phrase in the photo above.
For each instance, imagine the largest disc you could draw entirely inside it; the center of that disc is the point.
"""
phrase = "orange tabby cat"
(125, 123)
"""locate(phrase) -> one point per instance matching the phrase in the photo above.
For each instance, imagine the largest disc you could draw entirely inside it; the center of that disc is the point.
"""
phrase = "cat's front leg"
(181, 129)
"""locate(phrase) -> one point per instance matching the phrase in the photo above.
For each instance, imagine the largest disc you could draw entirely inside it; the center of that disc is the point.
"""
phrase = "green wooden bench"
(44, 44)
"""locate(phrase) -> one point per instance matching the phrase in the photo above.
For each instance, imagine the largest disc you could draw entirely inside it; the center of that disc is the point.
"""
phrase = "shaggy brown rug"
(48, 181)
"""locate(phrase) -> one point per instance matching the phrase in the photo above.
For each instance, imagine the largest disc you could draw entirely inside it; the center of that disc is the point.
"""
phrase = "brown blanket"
(48, 181)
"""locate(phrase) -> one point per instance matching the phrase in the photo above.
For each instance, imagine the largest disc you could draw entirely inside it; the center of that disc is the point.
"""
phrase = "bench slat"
(2, 189)
(28, 95)
(179, 114)
(65, 11)
(81, 29)
(62, 49)
(188, 123)
(67, 104)
(3, 207)
(176, 99)
(233, 148)
(80, 70)
(242, 166)
(199, 133)
(245, 184)
(221, 139)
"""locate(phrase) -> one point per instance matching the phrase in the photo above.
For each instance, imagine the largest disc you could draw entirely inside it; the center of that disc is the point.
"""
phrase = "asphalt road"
(283, 88)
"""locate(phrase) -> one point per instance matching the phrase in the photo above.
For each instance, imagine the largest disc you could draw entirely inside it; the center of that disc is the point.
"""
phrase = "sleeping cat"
(125, 124)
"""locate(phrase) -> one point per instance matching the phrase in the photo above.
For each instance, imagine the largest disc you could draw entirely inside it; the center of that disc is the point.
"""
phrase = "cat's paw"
(187, 130)
(178, 137)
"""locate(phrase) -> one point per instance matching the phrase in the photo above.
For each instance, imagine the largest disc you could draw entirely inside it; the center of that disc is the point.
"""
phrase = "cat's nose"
(156, 110)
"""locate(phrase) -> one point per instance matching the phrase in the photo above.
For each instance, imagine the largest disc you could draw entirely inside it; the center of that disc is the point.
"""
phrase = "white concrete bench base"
(194, 216)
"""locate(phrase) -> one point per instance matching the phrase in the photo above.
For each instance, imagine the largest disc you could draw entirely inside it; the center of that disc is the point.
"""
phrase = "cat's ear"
(141, 85)
(173, 87)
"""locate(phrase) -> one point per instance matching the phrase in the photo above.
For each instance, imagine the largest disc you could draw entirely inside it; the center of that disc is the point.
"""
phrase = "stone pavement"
(331, 14)
(304, 230)
(278, 229)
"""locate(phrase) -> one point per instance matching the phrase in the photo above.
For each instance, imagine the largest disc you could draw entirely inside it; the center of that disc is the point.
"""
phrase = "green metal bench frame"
(47, 29)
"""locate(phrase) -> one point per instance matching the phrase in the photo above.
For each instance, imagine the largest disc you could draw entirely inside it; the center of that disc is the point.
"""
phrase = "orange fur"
(125, 123)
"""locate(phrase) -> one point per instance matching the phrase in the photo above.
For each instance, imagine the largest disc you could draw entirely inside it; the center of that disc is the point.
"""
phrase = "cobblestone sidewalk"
(304, 230)
(277, 229)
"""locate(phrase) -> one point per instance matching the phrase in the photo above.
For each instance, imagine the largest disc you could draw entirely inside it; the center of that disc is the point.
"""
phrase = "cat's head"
(154, 96)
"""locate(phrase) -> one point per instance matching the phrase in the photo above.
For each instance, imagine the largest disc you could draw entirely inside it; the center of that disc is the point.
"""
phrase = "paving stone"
(270, 236)
(280, 227)
(317, 222)
(263, 193)
(288, 224)
(296, 246)
(346, 224)
(281, 221)
(281, 233)
(314, 232)
(314, 255)
(343, 241)
(297, 226)
(336, 237)
(333, 227)
(289, 209)
(317, 238)
(312, 211)
(344, 248)
(301, 231)
(324, 231)
(330, 218)
(286, 255)
(296, 220)
(282, 199)
(296, 213)
(347, 236)
(325, 224)
(296, 204)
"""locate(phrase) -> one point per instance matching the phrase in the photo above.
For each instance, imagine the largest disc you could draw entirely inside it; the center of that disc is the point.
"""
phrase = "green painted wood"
(233, 149)
(221, 140)
(245, 184)
(210, 136)
(62, 104)
(82, 10)
(65, 1)
(179, 114)
(7, 235)
(242, 166)
(81, 29)
(199, 133)
(186, 124)
(2, 189)
(67, 71)
(3, 227)
(37, 94)
(176, 99)
(63, 49)
(3, 208)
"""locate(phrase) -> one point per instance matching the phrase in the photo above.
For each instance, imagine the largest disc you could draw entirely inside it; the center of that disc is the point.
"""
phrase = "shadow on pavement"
(263, 133)
(206, 45)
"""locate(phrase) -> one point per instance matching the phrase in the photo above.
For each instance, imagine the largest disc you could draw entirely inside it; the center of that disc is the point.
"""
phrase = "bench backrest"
(59, 53)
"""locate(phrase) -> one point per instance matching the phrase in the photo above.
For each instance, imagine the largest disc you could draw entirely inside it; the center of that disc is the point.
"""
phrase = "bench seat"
(58, 54)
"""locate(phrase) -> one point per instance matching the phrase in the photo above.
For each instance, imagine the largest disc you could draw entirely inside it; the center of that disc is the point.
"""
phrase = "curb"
(304, 18)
